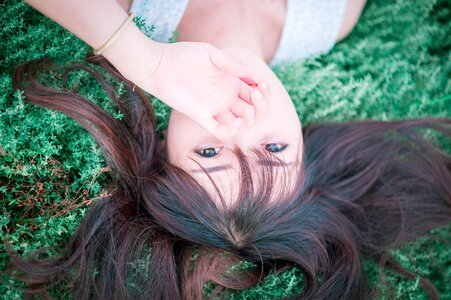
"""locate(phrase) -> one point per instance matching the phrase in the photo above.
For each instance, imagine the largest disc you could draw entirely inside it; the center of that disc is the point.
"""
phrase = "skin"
(160, 68)
(249, 31)
(279, 128)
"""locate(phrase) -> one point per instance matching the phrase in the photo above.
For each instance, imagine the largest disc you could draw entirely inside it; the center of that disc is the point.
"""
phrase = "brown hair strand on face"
(367, 187)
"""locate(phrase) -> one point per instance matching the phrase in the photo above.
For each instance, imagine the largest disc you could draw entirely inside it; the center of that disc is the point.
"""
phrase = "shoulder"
(352, 13)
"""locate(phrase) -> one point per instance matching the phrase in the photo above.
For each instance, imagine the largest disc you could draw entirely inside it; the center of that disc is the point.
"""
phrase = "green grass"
(395, 64)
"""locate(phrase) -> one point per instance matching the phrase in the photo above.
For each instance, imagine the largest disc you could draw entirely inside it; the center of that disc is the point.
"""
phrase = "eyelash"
(281, 147)
(206, 152)
(201, 152)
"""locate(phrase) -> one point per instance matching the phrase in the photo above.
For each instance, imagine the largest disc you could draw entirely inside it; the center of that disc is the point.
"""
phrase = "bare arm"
(193, 78)
(95, 22)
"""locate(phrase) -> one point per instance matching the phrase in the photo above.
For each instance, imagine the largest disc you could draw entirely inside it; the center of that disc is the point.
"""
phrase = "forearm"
(92, 21)
(95, 22)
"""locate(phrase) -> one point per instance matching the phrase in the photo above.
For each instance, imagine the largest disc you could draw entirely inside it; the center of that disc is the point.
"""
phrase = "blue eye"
(209, 152)
(275, 147)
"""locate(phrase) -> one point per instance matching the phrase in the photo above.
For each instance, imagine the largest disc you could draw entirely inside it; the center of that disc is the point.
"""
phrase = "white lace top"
(311, 26)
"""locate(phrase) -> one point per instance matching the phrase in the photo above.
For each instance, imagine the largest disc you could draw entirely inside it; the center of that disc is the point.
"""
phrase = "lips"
(248, 81)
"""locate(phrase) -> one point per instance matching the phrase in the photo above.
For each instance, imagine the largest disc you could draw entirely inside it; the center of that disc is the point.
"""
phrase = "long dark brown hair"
(366, 187)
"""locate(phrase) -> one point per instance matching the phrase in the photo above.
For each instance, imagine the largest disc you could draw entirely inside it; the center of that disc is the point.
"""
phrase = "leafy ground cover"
(396, 64)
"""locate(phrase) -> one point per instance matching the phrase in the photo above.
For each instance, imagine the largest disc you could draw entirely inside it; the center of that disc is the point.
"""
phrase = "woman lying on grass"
(272, 194)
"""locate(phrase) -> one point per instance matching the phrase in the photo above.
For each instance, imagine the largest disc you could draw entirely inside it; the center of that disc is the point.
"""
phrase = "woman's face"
(192, 148)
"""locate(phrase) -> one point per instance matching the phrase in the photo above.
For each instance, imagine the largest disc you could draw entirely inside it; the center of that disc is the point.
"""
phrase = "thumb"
(242, 71)
(230, 65)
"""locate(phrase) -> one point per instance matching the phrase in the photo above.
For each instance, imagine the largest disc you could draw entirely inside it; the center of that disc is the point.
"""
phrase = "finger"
(230, 65)
(219, 130)
(230, 121)
(242, 71)
(263, 86)
(264, 89)
(217, 57)
(257, 97)
(249, 86)
(260, 104)
(216, 125)
(225, 118)
(244, 92)
(244, 110)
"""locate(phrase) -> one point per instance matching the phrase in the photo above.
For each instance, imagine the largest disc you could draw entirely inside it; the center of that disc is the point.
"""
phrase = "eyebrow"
(228, 167)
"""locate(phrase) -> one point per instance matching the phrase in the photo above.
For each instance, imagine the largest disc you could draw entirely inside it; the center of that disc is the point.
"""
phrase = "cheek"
(173, 152)
(176, 138)
(282, 122)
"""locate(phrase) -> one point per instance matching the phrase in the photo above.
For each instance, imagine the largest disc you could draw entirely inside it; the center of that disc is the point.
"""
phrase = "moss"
(395, 64)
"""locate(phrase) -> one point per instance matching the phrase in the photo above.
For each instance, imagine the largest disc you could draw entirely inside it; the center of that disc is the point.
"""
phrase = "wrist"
(135, 55)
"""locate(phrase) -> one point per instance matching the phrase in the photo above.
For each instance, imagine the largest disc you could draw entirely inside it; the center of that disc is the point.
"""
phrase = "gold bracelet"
(114, 36)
